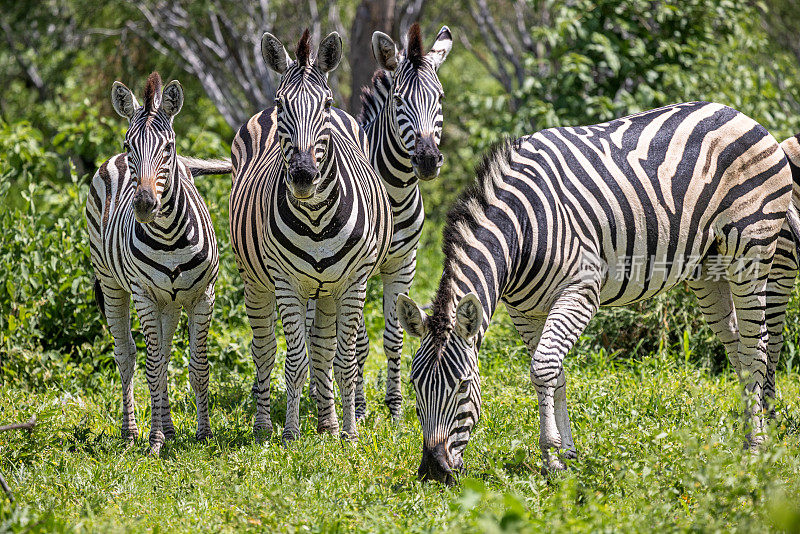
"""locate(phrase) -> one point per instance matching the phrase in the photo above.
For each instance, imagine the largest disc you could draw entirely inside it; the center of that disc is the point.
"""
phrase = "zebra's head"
(304, 105)
(417, 93)
(150, 141)
(444, 373)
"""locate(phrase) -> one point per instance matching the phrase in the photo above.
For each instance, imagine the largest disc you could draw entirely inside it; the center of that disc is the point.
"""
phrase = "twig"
(16, 426)
(20, 426)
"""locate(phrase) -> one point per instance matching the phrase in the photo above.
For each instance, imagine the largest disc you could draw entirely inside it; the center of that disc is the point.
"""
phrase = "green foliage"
(602, 59)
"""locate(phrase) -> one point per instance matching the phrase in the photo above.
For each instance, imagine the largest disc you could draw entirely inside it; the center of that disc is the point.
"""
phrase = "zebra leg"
(117, 312)
(349, 316)
(310, 314)
(568, 317)
(716, 301)
(322, 347)
(260, 305)
(397, 278)
(779, 291)
(169, 323)
(199, 320)
(293, 315)
(150, 319)
(362, 351)
(748, 288)
(530, 329)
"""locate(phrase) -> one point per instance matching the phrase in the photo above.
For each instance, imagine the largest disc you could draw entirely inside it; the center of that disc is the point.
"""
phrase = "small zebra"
(556, 225)
(402, 117)
(151, 237)
(309, 219)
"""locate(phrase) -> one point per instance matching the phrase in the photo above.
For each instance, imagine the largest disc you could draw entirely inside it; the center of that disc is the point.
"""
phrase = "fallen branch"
(16, 426)
(20, 426)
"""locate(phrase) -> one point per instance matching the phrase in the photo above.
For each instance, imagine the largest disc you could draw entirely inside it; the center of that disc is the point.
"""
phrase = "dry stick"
(16, 426)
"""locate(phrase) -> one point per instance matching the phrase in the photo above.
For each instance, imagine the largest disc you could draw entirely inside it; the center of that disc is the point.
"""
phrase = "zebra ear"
(411, 316)
(275, 55)
(172, 100)
(385, 51)
(123, 100)
(441, 47)
(330, 52)
(469, 316)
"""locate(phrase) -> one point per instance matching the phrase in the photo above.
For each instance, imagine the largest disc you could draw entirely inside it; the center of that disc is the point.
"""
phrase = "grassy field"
(659, 445)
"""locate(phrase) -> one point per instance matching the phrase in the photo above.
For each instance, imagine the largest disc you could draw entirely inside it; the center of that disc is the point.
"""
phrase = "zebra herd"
(557, 224)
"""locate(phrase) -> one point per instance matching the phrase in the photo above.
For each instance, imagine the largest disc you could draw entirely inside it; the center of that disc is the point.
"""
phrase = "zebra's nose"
(145, 205)
(303, 174)
(436, 465)
(426, 159)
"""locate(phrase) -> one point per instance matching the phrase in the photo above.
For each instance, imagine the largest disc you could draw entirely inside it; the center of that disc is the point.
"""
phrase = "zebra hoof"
(361, 413)
(350, 437)
(569, 454)
(552, 465)
(289, 436)
(169, 433)
(262, 432)
(394, 405)
(130, 434)
(203, 435)
(155, 447)
(328, 427)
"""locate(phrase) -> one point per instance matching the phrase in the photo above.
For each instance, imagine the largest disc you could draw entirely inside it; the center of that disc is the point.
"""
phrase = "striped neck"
(394, 160)
(173, 214)
(459, 279)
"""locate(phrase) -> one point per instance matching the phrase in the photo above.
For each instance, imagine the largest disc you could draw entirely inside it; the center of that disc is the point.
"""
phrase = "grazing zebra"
(151, 238)
(568, 219)
(402, 117)
(309, 218)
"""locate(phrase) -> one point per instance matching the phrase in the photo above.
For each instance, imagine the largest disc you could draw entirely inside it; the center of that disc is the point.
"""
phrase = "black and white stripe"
(550, 229)
(151, 237)
(309, 219)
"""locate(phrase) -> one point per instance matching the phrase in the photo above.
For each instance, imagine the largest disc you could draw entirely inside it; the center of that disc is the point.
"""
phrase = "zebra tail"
(200, 167)
(98, 296)
(791, 147)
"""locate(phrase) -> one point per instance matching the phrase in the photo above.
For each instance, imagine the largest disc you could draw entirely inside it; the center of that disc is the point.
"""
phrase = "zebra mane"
(374, 98)
(303, 53)
(152, 91)
(460, 214)
(414, 52)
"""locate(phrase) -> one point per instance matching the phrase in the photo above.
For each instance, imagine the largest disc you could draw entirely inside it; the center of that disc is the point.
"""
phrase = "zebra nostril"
(440, 160)
(414, 159)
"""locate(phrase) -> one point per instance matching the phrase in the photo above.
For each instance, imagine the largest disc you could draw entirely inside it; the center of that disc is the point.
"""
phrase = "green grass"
(659, 440)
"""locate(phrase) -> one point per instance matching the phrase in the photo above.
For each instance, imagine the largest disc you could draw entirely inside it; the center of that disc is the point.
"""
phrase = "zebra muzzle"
(145, 205)
(426, 159)
(436, 465)
(303, 175)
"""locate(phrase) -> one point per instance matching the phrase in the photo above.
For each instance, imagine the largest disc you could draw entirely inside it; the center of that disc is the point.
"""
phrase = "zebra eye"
(464, 385)
(168, 147)
(328, 104)
(397, 100)
(126, 147)
(279, 104)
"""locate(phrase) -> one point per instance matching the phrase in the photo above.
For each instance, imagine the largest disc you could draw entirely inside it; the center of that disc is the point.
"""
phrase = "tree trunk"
(371, 15)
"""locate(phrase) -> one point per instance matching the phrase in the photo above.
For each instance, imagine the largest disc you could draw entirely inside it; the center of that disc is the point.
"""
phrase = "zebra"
(402, 116)
(552, 227)
(151, 238)
(309, 219)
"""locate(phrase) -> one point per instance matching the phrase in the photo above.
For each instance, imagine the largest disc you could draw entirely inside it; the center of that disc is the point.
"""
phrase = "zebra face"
(150, 141)
(303, 119)
(417, 94)
(444, 373)
(303, 107)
